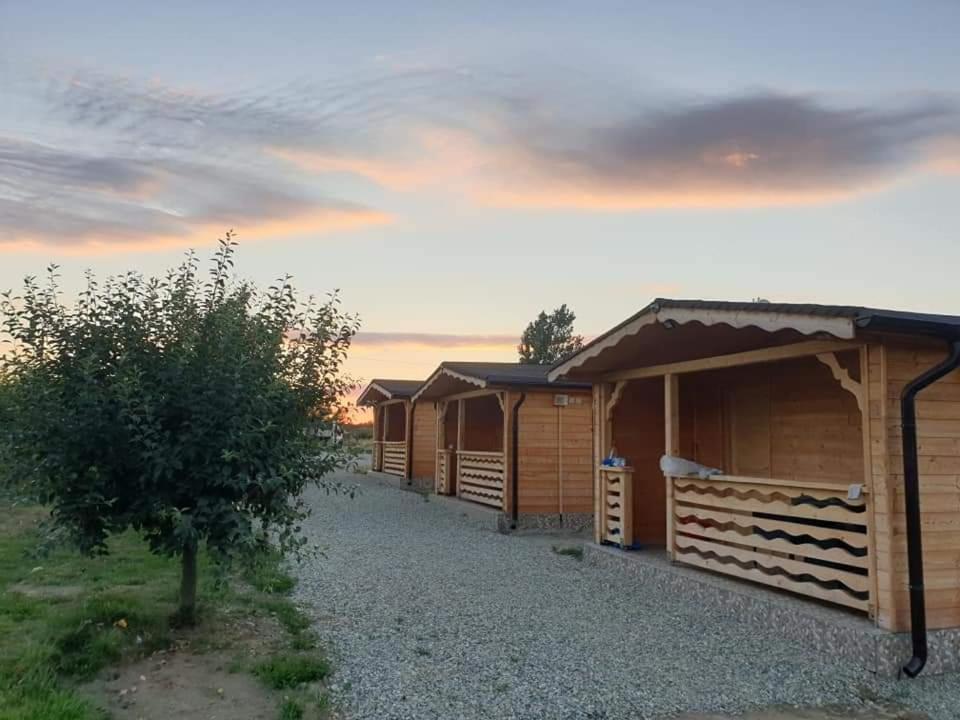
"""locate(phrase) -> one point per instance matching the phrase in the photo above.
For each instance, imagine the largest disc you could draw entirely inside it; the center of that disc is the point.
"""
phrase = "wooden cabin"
(502, 428)
(799, 408)
(403, 432)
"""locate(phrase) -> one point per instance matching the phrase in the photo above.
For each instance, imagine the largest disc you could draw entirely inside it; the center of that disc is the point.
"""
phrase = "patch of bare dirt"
(193, 680)
(184, 686)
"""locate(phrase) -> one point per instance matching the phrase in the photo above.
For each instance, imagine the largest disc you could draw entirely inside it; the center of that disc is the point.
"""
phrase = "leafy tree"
(178, 407)
(549, 337)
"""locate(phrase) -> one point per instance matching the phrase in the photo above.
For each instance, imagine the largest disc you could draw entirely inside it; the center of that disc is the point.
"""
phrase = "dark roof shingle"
(398, 388)
(501, 373)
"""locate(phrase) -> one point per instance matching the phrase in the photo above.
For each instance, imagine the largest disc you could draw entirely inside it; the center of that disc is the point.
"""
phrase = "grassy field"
(64, 619)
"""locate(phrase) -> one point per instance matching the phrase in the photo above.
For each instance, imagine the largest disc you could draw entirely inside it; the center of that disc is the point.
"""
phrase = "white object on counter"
(679, 467)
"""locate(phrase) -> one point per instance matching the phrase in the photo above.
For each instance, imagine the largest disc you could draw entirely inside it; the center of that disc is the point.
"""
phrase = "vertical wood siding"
(938, 437)
(556, 454)
(424, 440)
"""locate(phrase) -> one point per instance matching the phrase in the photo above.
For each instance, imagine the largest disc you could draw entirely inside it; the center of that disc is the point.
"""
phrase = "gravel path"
(431, 616)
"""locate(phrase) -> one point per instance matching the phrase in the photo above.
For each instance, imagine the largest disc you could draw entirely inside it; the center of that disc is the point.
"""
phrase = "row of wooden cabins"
(825, 486)
(470, 429)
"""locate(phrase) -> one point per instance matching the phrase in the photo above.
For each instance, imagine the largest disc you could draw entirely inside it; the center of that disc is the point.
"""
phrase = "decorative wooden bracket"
(500, 400)
(842, 376)
(615, 397)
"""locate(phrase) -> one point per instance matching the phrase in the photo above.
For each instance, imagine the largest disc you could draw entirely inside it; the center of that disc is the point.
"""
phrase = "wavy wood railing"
(616, 506)
(442, 483)
(480, 477)
(395, 458)
(805, 537)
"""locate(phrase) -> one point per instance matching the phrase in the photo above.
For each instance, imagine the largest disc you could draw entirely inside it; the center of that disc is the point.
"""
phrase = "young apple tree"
(181, 407)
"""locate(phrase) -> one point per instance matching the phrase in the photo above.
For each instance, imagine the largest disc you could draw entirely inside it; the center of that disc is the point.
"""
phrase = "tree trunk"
(188, 585)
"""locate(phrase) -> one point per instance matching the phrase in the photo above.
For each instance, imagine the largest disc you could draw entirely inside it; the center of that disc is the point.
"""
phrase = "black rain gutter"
(911, 473)
(515, 464)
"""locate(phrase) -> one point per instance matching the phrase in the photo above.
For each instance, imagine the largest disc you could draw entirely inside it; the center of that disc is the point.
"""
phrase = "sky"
(454, 168)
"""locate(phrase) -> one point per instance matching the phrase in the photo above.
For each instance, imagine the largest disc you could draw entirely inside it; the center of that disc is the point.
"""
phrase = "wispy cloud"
(747, 150)
(148, 166)
(84, 202)
(432, 340)
(159, 165)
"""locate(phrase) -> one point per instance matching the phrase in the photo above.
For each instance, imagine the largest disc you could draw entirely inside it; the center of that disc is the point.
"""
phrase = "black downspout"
(911, 490)
(515, 464)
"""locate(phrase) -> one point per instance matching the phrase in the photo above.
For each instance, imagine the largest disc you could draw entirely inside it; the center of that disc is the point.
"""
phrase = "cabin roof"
(864, 316)
(454, 377)
(381, 389)
(783, 322)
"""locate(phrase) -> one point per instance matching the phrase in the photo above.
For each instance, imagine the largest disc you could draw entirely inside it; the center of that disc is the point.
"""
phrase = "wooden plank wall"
(638, 436)
(450, 426)
(789, 420)
(817, 428)
(555, 446)
(938, 434)
(483, 424)
(424, 440)
(396, 423)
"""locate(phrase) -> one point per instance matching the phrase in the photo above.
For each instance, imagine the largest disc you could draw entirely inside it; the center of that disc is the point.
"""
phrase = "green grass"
(291, 710)
(575, 552)
(283, 672)
(267, 575)
(64, 617)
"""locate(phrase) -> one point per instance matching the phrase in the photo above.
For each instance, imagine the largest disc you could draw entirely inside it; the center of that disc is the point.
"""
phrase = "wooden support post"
(671, 418)
(598, 490)
(461, 412)
(438, 437)
(607, 418)
(560, 458)
(889, 604)
(506, 404)
(865, 420)
(408, 438)
(374, 465)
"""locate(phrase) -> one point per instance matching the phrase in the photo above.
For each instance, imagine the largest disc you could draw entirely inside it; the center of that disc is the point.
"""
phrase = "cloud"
(748, 150)
(540, 149)
(51, 197)
(432, 340)
(138, 165)
(141, 166)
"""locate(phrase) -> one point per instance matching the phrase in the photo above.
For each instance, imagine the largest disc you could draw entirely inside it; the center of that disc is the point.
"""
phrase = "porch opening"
(480, 455)
(789, 508)
(393, 438)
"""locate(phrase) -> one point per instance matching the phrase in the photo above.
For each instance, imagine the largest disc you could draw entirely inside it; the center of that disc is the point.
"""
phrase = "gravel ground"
(429, 615)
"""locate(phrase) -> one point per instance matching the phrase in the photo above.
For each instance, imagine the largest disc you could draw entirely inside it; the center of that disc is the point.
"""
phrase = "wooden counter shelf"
(616, 518)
